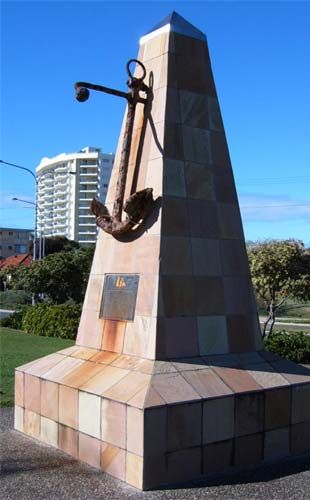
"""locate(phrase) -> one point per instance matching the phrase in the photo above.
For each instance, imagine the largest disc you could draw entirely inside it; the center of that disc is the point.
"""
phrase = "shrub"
(294, 345)
(14, 320)
(59, 320)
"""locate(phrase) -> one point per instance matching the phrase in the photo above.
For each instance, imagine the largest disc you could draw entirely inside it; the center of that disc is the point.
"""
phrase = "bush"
(294, 346)
(61, 320)
(15, 320)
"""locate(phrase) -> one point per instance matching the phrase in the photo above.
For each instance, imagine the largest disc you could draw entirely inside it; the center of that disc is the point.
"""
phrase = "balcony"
(91, 225)
(88, 183)
(61, 200)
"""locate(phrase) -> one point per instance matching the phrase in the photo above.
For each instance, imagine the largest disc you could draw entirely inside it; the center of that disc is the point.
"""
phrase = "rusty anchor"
(139, 204)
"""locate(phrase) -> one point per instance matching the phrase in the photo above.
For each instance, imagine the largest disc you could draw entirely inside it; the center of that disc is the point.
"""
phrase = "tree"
(60, 276)
(55, 244)
(280, 270)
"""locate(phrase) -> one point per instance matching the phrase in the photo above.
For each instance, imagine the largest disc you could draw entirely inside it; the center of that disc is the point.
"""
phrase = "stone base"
(152, 423)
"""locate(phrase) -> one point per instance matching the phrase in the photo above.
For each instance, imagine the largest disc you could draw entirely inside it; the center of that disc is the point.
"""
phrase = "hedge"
(61, 320)
(15, 320)
(290, 345)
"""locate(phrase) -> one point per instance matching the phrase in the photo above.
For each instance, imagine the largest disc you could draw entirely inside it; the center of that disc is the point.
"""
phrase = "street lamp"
(35, 205)
(41, 240)
(24, 201)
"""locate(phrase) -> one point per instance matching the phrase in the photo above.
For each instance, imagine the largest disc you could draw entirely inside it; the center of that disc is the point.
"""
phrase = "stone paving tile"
(127, 387)
(218, 419)
(19, 388)
(82, 374)
(295, 374)
(41, 365)
(84, 353)
(249, 413)
(105, 357)
(184, 364)
(301, 403)
(184, 426)
(105, 379)
(266, 376)
(173, 388)
(277, 408)
(222, 360)
(277, 443)
(32, 393)
(62, 369)
(153, 398)
(49, 399)
(68, 406)
(238, 380)
(206, 383)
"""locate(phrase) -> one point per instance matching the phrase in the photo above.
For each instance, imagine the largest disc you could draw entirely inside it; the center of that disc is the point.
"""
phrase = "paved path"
(296, 326)
(5, 312)
(33, 471)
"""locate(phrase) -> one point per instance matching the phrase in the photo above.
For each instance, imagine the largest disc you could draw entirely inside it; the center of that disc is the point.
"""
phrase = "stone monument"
(168, 380)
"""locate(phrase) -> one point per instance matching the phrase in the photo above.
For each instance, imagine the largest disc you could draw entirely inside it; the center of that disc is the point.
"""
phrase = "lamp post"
(35, 204)
(41, 250)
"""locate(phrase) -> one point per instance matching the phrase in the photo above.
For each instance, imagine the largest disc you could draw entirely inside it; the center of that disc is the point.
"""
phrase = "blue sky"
(260, 59)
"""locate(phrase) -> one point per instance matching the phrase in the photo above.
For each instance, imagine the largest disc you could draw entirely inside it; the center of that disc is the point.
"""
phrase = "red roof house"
(24, 259)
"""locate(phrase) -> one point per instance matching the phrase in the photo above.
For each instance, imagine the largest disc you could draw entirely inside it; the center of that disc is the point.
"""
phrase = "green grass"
(18, 348)
(291, 328)
(291, 308)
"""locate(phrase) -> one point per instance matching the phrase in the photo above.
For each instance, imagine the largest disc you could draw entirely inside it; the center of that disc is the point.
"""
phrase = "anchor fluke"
(99, 209)
(139, 204)
(137, 208)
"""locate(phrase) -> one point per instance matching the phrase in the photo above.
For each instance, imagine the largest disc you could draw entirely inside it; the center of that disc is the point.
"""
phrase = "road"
(4, 313)
(289, 324)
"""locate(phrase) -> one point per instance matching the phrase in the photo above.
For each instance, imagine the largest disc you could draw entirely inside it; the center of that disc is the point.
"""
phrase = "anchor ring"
(141, 78)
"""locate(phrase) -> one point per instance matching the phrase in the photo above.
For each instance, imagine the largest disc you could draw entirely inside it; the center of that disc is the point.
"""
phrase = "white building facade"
(66, 185)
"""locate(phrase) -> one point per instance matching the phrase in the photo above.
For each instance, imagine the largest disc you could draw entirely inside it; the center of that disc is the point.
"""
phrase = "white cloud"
(268, 208)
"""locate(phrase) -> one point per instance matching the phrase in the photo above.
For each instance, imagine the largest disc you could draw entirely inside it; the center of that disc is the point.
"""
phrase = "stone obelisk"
(168, 380)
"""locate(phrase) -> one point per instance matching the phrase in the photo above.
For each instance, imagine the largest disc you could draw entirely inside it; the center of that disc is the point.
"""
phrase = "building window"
(10, 233)
(21, 249)
(105, 185)
(105, 160)
(10, 248)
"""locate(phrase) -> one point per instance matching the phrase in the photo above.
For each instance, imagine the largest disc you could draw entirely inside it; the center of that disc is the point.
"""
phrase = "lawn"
(18, 348)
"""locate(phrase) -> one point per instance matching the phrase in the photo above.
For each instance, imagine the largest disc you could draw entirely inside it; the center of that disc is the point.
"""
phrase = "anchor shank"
(125, 153)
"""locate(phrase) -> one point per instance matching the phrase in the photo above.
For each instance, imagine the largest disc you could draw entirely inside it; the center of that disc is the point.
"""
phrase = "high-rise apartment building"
(66, 185)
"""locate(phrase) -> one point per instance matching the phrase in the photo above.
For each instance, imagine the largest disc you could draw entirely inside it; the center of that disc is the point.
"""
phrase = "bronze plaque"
(119, 297)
